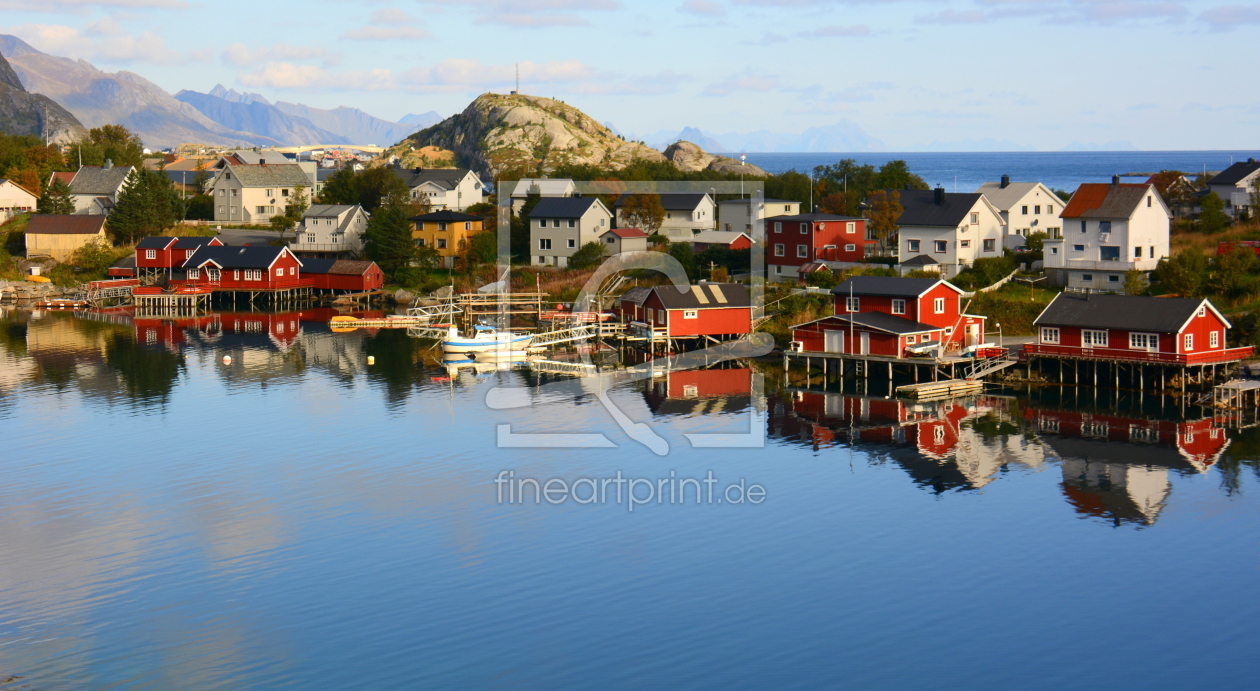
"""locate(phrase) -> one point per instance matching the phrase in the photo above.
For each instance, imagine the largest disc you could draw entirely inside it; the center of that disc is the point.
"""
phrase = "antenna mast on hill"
(518, 79)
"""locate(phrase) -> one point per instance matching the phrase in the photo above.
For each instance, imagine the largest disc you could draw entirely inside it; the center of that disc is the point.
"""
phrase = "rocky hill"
(496, 133)
(22, 112)
(690, 158)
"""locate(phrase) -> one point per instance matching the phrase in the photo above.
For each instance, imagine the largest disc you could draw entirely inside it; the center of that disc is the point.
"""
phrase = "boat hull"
(473, 345)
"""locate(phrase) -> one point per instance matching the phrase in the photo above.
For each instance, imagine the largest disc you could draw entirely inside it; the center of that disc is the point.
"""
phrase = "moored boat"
(484, 338)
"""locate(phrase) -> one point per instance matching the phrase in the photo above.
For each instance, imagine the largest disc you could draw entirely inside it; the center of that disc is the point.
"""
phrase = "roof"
(127, 262)
(446, 178)
(268, 175)
(188, 243)
(251, 157)
(63, 224)
(344, 267)
(321, 210)
(1126, 312)
(920, 260)
(64, 176)
(888, 285)
(446, 217)
(1235, 173)
(700, 296)
(764, 201)
(3, 181)
(1005, 198)
(563, 207)
(812, 218)
(672, 202)
(627, 233)
(920, 208)
(98, 180)
(547, 187)
(260, 257)
(718, 237)
(161, 242)
(1104, 200)
(887, 322)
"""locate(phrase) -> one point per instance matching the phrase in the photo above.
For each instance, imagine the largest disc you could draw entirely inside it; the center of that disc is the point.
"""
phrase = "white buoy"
(371, 359)
(227, 359)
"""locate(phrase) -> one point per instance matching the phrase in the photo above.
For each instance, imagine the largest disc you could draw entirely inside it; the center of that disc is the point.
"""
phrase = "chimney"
(1115, 180)
(1006, 181)
(938, 196)
(817, 209)
(262, 161)
(108, 164)
(418, 169)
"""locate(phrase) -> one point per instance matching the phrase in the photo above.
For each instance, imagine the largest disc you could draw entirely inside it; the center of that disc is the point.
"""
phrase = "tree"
(683, 253)
(367, 188)
(387, 239)
(483, 248)
(1184, 273)
(1036, 242)
(1230, 274)
(108, 142)
(885, 209)
(147, 205)
(1135, 282)
(94, 257)
(643, 211)
(587, 256)
(57, 199)
(1212, 216)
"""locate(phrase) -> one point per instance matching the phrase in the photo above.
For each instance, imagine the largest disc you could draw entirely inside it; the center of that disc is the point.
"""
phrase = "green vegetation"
(108, 142)
(1014, 306)
(1212, 216)
(587, 256)
(984, 272)
(368, 188)
(147, 205)
(292, 213)
(842, 187)
(387, 239)
(56, 199)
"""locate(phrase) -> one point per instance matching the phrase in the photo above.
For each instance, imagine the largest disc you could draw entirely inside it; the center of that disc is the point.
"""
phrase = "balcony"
(324, 247)
(1110, 265)
(1205, 357)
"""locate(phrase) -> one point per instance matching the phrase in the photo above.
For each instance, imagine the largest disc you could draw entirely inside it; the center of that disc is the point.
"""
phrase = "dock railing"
(1203, 357)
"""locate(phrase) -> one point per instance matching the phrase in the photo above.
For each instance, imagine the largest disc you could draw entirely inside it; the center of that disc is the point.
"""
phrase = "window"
(572, 243)
(1049, 334)
(850, 248)
(870, 234)
(853, 304)
(651, 314)
(441, 226)
(1113, 278)
(1050, 209)
(1078, 248)
(420, 242)
(1088, 278)
(310, 237)
(1152, 253)
(1104, 226)
(964, 244)
(1214, 339)
(949, 331)
(938, 305)
(898, 306)
(292, 270)
(284, 193)
(236, 275)
(1188, 342)
(150, 254)
(941, 247)
(1109, 253)
(544, 243)
(222, 192)
(267, 193)
(1147, 342)
(1148, 201)
(975, 218)
(990, 245)
(261, 209)
(1037, 209)
(1082, 226)
(441, 243)
(690, 314)
(1054, 250)
(1137, 252)
(1202, 311)
(778, 250)
(1094, 339)
(1024, 210)
(611, 240)
(802, 251)
(572, 222)
(279, 272)
(850, 227)
(194, 274)
(778, 227)
(542, 223)
(804, 229)
(912, 245)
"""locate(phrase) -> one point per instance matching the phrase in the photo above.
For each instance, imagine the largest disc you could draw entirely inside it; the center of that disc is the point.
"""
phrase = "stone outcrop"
(690, 158)
(22, 112)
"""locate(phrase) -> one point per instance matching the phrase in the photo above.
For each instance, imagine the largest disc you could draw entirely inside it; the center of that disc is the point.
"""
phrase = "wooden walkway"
(950, 388)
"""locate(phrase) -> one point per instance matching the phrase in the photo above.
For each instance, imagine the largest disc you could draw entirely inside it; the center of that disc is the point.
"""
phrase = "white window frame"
(1214, 339)
(150, 254)
(280, 271)
(1050, 334)
(940, 247)
(802, 251)
(544, 243)
(938, 306)
(850, 248)
(853, 304)
(1090, 336)
(778, 227)
(850, 227)
(989, 245)
(804, 229)
(1187, 342)
(194, 274)
(572, 243)
(1144, 341)
(898, 306)
(691, 314)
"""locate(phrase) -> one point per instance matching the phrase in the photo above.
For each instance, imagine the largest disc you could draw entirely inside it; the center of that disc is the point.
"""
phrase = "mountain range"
(22, 112)
(842, 136)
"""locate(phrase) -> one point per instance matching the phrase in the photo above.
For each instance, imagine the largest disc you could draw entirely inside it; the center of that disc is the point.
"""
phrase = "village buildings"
(714, 311)
(444, 189)
(160, 256)
(737, 215)
(1236, 185)
(331, 230)
(618, 240)
(253, 193)
(544, 187)
(559, 226)
(446, 232)
(95, 189)
(795, 241)
(686, 215)
(1026, 208)
(1108, 229)
(15, 200)
(948, 231)
(58, 236)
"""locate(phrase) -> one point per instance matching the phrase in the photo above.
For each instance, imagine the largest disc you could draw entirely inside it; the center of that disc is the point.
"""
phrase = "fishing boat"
(484, 338)
(63, 304)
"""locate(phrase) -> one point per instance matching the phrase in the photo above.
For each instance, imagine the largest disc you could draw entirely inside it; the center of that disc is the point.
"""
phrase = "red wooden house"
(704, 310)
(892, 317)
(1127, 328)
(162, 255)
(794, 241)
(244, 268)
(343, 275)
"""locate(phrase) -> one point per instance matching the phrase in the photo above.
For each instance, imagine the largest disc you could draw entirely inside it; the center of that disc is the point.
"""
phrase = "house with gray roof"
(952, 228)
(559, 226)
(253, 193)
(450, 189)
(1026, 207)
(1236, 184)
(331, 230)
(95, 189)
(686, 215)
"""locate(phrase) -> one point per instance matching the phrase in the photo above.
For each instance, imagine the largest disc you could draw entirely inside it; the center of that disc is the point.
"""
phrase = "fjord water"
(299, 519)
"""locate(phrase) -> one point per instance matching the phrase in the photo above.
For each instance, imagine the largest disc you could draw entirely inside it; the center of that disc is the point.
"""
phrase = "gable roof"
(322, 210)
(920, 260)
(1005, 198)
(268, 175)
(1235, 173)
(343, 267)
(564, 207)
(719, 237)
(1125, 312)
(98, 180)
(1104, 200)
(155, 242)
(700, 296)
(764, 201)
(627, 233)
(889, 285)
(446, 178)
(889, 323)
(445, 216)
(10, 182)
(920, 208)
(672, 202)
(259, 257)
(65, 176)
(188, 243)
(65, 224)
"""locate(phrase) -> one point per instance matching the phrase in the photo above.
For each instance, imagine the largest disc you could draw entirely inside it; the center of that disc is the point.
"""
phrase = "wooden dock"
(949, 388)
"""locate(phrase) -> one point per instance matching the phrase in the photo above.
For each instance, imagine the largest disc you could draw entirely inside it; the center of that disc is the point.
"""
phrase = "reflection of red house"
(678, 390)
(937, 438)
(283, 329)
(707, 309)
(1199, 443)
(170, 332)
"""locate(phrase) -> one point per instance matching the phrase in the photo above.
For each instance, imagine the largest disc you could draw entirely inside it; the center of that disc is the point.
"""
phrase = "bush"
(887, 261)
(985, 272)
(821, 279)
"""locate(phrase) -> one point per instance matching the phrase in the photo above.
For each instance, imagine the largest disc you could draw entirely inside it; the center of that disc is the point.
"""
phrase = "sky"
(1042, 74)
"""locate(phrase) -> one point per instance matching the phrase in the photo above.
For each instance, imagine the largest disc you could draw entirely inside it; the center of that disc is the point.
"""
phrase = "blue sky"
(1160, 74)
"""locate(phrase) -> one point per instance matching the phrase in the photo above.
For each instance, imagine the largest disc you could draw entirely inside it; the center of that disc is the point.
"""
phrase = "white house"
(620, 240)
(736, 215)
(546, 187)
(1026, 207)
(1236, 184)
(1108, 229)
(558, 226)
(253, 193)
(446, 189)
(686, 215)
(15, 200)
(331, 230)
(949, 229)
(95, 189)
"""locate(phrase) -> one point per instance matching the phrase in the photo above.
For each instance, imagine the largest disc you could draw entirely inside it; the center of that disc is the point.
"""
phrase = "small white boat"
(484, 339)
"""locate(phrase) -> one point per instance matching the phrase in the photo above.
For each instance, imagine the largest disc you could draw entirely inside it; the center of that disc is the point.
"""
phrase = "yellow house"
(58, 236)
(448, 232)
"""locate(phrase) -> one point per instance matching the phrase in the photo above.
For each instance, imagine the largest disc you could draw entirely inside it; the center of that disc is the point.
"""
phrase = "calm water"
(300, 519)
(1057, 169)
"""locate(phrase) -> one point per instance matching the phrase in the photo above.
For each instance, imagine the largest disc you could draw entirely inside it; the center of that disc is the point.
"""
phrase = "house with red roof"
(620, 240)
(1108, 229)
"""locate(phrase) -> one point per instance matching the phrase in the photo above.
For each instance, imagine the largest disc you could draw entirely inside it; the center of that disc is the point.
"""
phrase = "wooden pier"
(184, 300)
(950, 388)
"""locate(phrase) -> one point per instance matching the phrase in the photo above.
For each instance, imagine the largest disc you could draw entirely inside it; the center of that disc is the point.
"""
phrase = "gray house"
(95, 189)
(1236, 184)
(558, 226)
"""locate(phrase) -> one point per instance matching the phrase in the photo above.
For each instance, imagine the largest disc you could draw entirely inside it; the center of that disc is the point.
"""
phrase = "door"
(866, 343)
(973, 334)
(833, 341)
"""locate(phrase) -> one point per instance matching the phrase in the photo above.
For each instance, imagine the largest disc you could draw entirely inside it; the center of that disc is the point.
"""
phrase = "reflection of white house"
(1026, 208)
(1108, 230)
(736, 215)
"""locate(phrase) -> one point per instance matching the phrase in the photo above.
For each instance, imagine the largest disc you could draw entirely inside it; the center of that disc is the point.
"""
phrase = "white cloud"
(533, 21)
(1228, 16)
(530, 14)
(951, 17)
(240, 55)
(447, 75)
(286, 75)
(390, 16)
(755, 82)
(103, 41)
(389, 25)
(704, 8)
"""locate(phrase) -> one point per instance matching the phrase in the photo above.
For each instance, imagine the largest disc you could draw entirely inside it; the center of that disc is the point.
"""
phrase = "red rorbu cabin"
(343, 275)
(892, 317)
(161, 255)
(244, 268)
(1128, 328)
(704, 310)
(794, 241)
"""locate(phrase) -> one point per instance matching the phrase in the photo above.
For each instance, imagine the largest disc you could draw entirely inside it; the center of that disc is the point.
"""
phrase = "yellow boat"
(39, 279)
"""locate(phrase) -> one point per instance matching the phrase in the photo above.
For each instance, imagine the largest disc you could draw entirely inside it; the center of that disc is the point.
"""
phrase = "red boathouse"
(343, 275)
(161, 255)
(245, 269)
(706, 310)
